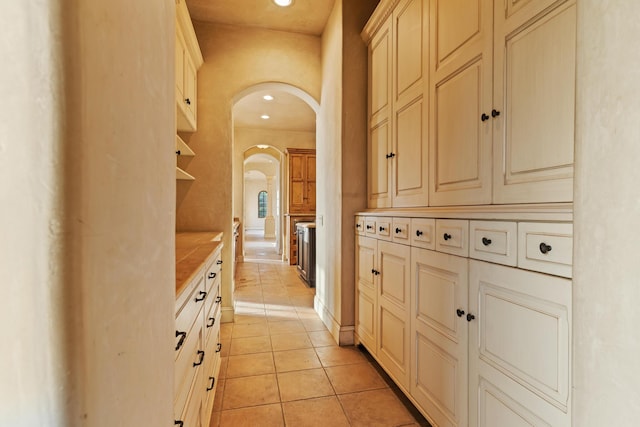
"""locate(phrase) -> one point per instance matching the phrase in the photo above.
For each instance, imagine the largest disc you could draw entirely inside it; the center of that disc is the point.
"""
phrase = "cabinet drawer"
(185, 371)
(370, 226)
(191, 410)
(383, 232)
(423, 231)
(400, 230)
(452, 236)
(188, 308)
(360, 225)
(546, 247)
(213, 271)
(212, 316)
(494, 241)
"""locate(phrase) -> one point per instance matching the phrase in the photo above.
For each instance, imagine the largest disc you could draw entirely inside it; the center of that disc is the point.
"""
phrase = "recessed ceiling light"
(268, 98)
(264, 117)
(262, 146)
(283, 3)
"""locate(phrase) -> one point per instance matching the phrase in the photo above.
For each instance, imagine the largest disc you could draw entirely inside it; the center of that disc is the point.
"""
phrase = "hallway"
(281, 366)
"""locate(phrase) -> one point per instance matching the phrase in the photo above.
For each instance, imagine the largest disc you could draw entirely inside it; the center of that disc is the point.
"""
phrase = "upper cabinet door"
(534, 88)
(410, 106)
(379, 149)
(460, 97)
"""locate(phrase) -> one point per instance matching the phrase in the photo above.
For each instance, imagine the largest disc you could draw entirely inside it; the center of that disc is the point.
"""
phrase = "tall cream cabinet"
(502, 101)
(398, 64)
(488, 313)
(471, 102)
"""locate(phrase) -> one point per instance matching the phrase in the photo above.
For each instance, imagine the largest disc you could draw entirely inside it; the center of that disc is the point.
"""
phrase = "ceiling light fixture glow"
(283, 3)
(264, 117)
(262, 146)
(268, 98)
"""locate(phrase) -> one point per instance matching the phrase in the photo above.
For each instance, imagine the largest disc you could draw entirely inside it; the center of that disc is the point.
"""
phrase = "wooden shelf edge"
(182, 175)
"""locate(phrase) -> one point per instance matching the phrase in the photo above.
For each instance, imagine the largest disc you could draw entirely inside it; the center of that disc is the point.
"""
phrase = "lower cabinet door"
(393, 310)
(439, 334)
(519, 348)
(366, 300)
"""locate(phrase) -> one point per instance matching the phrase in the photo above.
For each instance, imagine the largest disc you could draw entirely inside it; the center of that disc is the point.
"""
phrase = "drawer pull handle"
(460, 313)
(202, 296)
(544, 248)
(375, 272)
(212, 321)
(484, 117)
(219, 348)
(382, 228)
(219, 262)
(419, 233)
(486, 241)
(447, 236)
(358, 226)
(219, 300)
(398, 230)
(187, 101)
(183, 336)
(178, 423)
(200, 359)
(495, 113)
(212, 275)
(213, 382)
(369, 227)
(470, 317)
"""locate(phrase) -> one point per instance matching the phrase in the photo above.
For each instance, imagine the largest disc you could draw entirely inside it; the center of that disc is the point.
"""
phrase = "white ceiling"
(286, 111)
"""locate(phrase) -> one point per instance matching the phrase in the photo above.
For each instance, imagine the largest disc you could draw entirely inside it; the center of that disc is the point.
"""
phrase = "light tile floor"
(282, 367)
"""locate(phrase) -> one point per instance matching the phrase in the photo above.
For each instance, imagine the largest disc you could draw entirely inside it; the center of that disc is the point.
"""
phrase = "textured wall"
(88, 189)
(607, 216)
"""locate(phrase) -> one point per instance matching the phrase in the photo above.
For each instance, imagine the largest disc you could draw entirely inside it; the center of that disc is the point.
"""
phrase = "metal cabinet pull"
(182, 336)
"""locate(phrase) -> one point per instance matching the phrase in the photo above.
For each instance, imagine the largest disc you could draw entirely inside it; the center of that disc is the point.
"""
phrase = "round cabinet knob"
(398, 230)
(187, 101)
(460, 313)
(470, 317)
(369, 227)
(486, 241)
(419, 233)
(484, 117)
(382, 228)
(447, 236)
(544, 248)
(495, 113)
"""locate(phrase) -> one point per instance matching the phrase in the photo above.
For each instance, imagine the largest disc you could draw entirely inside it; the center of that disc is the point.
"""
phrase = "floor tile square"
(263, 416)
(377, 408)
(298, 385)
(296, 360)
(322, 339)
(250, 330)
(286, 327)
(250, 391)
(249, 345)
(290, 341)
(354, 378)
(314, 324)
(250, 364)
(334, 355)
(315, 413)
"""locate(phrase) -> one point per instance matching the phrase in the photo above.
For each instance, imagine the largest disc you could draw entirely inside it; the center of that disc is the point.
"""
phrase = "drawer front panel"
(400, 230)
(190, 310)
(370, 226)
(546, 247)
(383, 231)
(360, 224)
(452, 237)
(494, 241)
(184, 370)
(423, 232)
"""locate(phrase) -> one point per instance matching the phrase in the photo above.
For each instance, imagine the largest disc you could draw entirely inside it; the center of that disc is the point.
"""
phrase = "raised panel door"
(460, 93)
(379, 171)
(380, 144)
(439, 328)
(367, 300)
(310, 179)
(180, 58)
(519, 346)
(393, 310)
(534, 89)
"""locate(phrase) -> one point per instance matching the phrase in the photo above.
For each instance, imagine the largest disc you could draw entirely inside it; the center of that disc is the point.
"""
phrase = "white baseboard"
(343, 335)
(227, 315)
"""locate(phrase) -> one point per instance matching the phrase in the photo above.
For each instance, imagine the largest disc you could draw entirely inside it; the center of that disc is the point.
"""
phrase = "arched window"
(262, 204)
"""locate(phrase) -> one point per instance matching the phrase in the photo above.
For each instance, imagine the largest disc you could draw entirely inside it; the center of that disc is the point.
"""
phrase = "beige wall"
(607, 216)
(252, 188)
(341, 162)
(88, 190)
